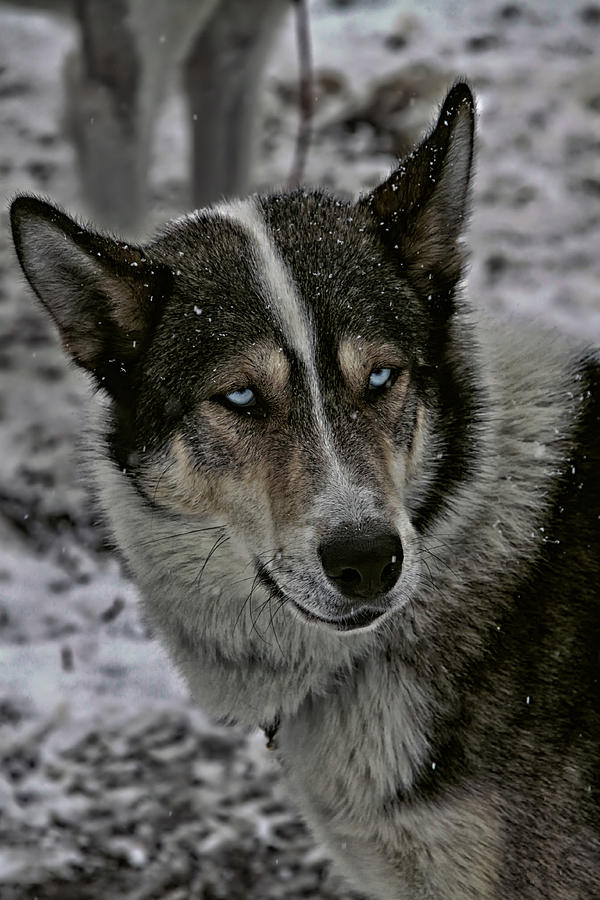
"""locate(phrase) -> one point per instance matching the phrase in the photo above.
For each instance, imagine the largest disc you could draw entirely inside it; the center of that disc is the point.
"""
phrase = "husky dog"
(359, 513)
(115, 83)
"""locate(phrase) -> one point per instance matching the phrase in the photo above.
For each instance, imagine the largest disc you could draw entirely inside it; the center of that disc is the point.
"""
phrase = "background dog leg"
(114, 85)
(222, 79)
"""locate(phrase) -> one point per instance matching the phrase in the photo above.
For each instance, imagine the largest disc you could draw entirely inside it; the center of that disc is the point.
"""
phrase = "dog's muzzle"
(362, 564)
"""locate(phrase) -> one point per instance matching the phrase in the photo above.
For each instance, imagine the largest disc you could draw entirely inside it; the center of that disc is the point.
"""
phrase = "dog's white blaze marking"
(271, 271)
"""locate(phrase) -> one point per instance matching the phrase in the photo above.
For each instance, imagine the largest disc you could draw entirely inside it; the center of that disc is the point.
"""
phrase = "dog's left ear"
(103, 294)
(421, 208)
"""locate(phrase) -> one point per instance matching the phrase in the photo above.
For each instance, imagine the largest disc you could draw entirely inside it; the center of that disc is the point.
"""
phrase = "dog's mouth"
(361, 618)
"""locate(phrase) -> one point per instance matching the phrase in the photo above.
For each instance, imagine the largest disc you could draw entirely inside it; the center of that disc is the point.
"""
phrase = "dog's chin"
(364, 617)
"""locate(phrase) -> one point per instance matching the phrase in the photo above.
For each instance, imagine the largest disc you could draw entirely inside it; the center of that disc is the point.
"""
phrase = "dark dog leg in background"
(223, 75)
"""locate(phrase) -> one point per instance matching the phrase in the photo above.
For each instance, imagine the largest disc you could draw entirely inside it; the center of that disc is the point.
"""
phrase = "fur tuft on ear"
(102, 293)
(421, 208)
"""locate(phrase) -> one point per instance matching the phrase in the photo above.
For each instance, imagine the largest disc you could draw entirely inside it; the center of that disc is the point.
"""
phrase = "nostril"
(348, 581)
(391, 572)
(349, 577)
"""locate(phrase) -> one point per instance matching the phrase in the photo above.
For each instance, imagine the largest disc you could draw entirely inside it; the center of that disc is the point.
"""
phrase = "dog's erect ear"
(102, 293)
(421, 208)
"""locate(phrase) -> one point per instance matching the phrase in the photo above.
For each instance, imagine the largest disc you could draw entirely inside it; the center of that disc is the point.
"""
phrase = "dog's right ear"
(420, 210)
(102, 293)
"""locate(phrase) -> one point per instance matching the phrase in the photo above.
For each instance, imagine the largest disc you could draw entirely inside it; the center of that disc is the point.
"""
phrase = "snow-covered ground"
(111, 782)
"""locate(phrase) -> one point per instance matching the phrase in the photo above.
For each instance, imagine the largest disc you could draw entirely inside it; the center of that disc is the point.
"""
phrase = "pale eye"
(380, 378)
(242, 398)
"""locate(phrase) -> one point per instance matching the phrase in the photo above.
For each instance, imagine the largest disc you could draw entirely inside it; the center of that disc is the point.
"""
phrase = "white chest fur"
(349, 756)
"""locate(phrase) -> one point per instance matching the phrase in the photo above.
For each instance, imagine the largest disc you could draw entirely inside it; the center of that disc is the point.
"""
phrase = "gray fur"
(435, 750)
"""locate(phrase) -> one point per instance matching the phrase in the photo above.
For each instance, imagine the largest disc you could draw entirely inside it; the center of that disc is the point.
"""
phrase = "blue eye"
(380, 378)
(242, 399)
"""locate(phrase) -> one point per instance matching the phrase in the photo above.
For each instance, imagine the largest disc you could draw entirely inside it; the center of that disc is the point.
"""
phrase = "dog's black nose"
(363, 563)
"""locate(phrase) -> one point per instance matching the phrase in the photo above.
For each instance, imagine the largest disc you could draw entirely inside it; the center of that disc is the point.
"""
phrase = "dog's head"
(283, 375)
